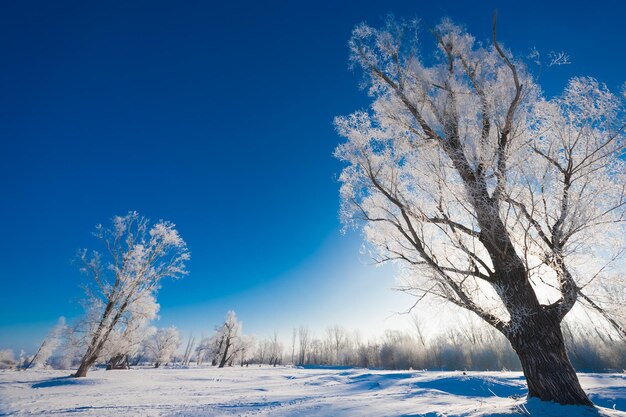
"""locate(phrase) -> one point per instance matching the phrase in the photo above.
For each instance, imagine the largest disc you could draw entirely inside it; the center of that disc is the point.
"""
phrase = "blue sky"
(217, 117)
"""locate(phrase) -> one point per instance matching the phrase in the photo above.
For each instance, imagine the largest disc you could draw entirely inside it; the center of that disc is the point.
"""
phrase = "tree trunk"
(98, 340)
(85, 364)
(549, 373)
(535, 334)
(225, 356)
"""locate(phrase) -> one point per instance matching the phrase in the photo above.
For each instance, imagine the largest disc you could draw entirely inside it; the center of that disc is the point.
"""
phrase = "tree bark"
(549, 373)
(225, 356)
(98, 340)
(85, 364)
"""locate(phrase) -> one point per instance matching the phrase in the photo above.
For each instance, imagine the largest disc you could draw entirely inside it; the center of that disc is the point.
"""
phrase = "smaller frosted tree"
(162, 345)
(49, 345)
(275, 350)
(203, 350)
(226, 342)
(304, 340)
(71, 350)
(246, 351)
(136, 258)
(188, 350)
(7, 359)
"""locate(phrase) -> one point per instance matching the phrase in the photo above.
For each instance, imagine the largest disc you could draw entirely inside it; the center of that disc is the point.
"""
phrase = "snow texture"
(288, 391)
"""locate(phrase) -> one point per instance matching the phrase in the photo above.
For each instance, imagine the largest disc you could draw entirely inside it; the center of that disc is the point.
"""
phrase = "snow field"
(288, 391)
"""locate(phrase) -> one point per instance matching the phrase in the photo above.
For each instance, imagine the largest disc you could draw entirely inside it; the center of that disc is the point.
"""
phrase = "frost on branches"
(162, 345)
(124, 279)
(49, 345)
(489, 195)
(227, 344)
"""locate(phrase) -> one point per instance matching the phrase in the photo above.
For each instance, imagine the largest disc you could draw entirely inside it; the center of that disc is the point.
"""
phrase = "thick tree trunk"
(549, 373)
(85, 364)
(225, 356)
(98, 339)
(535, 334)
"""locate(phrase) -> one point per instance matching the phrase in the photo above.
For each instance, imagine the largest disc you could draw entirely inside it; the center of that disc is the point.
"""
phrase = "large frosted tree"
(487, 194)
(136, 256)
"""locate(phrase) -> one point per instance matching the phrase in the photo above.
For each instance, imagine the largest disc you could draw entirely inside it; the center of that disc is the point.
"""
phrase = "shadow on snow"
(64, 380)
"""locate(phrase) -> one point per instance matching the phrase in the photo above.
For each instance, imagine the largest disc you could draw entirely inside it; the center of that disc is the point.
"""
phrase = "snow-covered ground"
(286, 391)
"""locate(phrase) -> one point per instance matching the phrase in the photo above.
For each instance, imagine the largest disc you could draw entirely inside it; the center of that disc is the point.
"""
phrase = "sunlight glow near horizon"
(334, 286)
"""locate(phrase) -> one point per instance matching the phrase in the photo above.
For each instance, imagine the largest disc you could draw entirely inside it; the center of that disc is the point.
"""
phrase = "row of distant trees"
(469, 346)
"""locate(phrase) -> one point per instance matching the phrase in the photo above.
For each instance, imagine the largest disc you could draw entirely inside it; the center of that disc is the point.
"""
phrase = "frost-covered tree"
(225, 344)
(49, 345)
(294, 334)
(488, 195)
(337, 338)
(191, 341)
(304, 342)
(203, 350)
(71, 349)
(7, 359)
(275, 350)
(162, 345)
(246, 350)
(135, 258)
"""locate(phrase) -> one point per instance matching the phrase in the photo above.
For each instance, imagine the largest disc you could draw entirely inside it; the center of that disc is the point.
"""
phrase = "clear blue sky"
(217, 117)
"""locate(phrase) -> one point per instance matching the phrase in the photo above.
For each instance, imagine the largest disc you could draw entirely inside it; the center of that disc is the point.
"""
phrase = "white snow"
(288, 391)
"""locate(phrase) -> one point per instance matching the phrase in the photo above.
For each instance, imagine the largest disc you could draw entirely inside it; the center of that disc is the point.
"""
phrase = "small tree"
(204, 350)
(136, 258)
(162, 345)
(246, 350)
(336, 337)
(226, 342)
(304, 342)
(490, 196)
(7, 359)
(191, 341)
(294, 334)
(275, 350)
(49, 345)
(70, 351)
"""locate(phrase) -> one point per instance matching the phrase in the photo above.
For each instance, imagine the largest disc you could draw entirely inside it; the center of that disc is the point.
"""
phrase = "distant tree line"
(471, 345)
